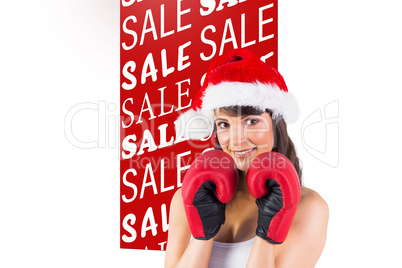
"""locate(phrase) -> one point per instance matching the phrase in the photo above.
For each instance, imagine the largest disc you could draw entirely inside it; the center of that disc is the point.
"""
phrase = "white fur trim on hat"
(262, 96)
(199, 124)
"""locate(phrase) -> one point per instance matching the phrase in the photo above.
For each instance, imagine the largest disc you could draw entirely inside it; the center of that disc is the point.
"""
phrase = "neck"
(242, 186)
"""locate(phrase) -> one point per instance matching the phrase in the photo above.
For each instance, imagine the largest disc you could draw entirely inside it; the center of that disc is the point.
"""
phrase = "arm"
(180, 251)
(262, 254)
(197, 254)
(305, 241)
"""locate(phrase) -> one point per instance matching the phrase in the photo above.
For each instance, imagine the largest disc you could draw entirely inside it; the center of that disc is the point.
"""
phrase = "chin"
(243, 167)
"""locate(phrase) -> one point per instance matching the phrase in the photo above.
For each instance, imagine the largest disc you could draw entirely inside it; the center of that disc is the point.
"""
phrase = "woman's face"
(244, 137)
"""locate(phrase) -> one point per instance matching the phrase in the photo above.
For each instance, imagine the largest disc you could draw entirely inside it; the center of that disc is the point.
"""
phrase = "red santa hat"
(236, 78)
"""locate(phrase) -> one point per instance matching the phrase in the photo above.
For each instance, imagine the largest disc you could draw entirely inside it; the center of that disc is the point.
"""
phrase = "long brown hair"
(282, 142)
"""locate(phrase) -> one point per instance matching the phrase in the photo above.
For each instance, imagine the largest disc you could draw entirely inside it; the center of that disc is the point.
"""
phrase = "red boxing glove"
(208, 185)
(273, 181)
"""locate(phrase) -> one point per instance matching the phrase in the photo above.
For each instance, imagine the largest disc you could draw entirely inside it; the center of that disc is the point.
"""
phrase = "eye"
(222, 125)
(252, 121)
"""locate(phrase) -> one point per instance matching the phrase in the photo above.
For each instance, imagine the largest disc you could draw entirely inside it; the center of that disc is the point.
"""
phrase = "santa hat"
(236, 78)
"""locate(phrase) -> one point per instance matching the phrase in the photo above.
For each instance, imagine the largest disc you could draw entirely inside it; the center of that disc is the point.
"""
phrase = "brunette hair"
(282, 142)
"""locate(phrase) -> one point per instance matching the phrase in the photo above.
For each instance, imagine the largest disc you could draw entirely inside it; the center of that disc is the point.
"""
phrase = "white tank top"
(230, 255)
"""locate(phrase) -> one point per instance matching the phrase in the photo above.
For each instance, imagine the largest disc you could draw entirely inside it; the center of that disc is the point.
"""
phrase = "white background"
(60, 204)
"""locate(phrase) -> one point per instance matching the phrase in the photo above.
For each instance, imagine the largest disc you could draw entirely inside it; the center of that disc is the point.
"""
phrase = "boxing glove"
(209, 184)
(273, 181)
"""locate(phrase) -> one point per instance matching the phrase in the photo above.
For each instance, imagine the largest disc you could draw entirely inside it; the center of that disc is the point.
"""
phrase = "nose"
(237, 137)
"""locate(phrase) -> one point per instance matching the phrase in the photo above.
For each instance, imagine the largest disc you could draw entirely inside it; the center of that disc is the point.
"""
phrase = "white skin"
(244, 138)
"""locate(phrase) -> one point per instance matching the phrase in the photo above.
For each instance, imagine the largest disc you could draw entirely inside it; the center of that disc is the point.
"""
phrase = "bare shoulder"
(311, 219)
(312, 205)
(308, 232)
(313, 200)
(312, 211)
(179, 232)
(177, 214)
(177, 199)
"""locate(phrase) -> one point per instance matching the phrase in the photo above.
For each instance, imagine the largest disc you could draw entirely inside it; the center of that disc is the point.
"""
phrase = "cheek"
(261, 139)
(223, 137)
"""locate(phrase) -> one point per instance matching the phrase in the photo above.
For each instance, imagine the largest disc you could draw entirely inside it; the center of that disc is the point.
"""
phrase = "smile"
(243, 154)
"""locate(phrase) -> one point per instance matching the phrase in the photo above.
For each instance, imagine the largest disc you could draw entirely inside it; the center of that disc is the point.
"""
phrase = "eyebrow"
(243, 116)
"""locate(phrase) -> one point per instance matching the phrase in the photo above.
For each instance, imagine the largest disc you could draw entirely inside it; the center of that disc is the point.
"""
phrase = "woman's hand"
(208, 185)
(273, 181)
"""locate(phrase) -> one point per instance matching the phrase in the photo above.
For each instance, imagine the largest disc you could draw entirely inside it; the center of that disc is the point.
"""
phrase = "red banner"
(166, 48)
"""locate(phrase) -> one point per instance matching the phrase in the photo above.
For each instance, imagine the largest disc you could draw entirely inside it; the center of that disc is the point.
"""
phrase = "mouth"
(243, 154)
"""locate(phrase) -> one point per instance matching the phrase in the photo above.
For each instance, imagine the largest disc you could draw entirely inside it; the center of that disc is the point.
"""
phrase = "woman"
(245, 103)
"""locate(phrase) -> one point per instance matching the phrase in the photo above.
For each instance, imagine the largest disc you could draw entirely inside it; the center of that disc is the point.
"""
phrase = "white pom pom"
(194, 125)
